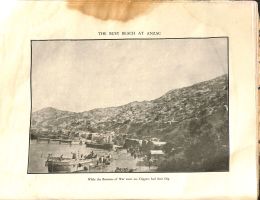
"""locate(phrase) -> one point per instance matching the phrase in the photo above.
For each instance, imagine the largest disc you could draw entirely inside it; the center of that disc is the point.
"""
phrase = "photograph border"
(228, 74)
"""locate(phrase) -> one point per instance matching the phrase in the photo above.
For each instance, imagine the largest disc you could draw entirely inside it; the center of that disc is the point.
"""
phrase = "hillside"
(157, 117)
(193, 120)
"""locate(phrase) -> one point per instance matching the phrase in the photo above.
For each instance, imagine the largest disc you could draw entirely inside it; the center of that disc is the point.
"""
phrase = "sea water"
(38, 153)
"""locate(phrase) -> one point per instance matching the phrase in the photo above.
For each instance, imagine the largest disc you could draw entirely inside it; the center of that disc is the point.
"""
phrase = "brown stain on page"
(120, 10)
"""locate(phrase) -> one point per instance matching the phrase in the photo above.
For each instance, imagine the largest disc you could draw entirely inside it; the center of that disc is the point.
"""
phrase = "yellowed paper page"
(128, 100)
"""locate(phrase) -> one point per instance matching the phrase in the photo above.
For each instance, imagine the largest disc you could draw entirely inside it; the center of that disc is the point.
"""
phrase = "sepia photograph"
(143, 105)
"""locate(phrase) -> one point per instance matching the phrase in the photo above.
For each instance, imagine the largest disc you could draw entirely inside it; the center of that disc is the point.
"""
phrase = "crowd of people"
(104, 160)
(134, 152)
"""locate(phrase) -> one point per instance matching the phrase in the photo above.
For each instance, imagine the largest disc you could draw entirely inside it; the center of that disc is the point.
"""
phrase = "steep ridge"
(158, 117)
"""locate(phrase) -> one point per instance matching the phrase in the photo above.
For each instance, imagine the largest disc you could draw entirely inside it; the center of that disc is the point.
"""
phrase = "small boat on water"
(106, 146)
(76, 142)
(64, 141)
(65, 165)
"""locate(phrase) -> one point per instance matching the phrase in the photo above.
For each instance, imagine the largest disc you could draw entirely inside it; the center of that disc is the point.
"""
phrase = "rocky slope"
(161, 117)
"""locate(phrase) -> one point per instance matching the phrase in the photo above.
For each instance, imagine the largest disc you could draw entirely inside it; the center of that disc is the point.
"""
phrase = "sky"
(82, 75)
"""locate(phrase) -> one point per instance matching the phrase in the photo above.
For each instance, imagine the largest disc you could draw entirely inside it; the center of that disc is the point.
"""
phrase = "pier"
(60, 141)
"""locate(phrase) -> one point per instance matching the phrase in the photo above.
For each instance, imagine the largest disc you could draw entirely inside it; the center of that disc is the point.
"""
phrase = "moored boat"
(76, 142)
(106, 146)
(65, 165)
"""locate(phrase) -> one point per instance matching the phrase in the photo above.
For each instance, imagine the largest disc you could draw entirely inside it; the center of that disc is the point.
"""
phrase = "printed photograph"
(129, 105)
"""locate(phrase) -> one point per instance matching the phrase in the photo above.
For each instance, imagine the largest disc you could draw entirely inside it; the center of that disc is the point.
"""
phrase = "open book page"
(126, 100)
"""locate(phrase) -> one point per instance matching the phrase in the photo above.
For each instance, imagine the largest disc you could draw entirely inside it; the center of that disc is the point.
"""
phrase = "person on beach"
(49, 156)
(149, 163)
(101, 159)
(74, 155)
(104, 160)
